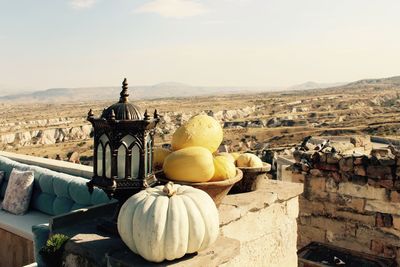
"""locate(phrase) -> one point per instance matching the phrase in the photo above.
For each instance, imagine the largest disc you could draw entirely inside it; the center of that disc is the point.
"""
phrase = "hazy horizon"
(252, 43)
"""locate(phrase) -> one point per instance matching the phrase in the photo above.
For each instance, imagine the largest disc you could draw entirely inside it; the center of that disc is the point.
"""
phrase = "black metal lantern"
(123, 149)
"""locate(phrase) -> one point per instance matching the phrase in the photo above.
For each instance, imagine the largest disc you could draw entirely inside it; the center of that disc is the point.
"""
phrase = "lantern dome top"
(122, 110)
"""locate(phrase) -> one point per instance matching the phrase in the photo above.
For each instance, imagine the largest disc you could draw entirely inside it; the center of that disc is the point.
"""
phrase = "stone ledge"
(233, 207)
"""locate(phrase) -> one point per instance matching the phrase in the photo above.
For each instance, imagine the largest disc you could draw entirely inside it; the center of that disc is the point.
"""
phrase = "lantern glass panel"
(150, 156)
(121, 161)
(128, 140)
(100, 160)
(108, 161)
(135, 162)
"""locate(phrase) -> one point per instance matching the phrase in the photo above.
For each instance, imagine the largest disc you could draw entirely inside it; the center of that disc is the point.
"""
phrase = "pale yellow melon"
(159, 155)
(200, 130)
(235, 155)
(249, 160)
(224, 169)
(191, 164)
(228, 156)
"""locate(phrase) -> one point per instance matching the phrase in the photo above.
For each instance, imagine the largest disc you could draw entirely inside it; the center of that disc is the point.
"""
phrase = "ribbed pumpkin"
(249, 160)
(159, 155)
(166, 222)
(200, 130)
(191, 164)
(224, 168)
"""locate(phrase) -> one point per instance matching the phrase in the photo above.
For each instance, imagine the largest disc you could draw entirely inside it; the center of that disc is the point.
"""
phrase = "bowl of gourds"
(254, 172)
(193, 159)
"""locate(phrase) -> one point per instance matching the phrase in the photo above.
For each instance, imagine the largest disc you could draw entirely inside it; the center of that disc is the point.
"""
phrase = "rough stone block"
(381, 172)
(316, 173)
(395, 196)
(359, 191)
(385, 183)
(317, 184)
(398, 171)
(333, 158)
(352, 203)
(396, 222)
(360, 170)
(384, 220)
(327, 167)
(346, 164)
(382, 206)
(336, 176)
(355, 217)
(292, 207)
(377, 246)
(387, 161)
(331, 185)
(298, 177)
(380, 152)
(308, 207)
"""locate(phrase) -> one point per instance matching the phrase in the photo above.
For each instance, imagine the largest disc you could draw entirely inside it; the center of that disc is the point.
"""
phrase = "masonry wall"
(351, 201)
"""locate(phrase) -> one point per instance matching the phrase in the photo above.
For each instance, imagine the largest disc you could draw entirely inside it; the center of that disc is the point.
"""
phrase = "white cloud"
(172, 8)
(82, 4)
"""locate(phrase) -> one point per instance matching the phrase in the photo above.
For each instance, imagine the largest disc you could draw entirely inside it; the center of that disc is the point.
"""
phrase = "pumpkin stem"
(169, 189)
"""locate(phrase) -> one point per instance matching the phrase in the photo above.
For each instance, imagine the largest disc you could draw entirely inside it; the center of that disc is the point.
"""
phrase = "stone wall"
(350, 200)
(265, 223)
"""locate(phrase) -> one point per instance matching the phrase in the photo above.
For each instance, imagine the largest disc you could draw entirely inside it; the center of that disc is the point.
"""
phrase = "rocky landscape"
(252, 121)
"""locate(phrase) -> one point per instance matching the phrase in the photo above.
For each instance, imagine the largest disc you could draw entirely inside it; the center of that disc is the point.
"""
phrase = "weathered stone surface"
(380, 152)
(352, 216)
(346, 164)
(365, 191)
(333, 158)
(384, 220)
(395, 196)
(381, 172)
(327, 167)
(292, 207)
(360, 170)
(396, 222)
(331, 185)
(298, 177)
(382, 206)
(317, 184)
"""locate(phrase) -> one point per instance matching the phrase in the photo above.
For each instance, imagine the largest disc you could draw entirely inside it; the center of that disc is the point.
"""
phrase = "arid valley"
(251, 121)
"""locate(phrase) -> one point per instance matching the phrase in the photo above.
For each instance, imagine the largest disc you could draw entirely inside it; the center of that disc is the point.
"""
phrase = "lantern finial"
(124, 93)
(146, 116)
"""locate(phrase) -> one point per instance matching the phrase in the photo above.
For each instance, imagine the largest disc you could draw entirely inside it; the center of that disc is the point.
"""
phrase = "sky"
(81, 43)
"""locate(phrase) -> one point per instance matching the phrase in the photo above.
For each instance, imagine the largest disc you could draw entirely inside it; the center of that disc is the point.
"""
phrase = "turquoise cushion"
(55, 193)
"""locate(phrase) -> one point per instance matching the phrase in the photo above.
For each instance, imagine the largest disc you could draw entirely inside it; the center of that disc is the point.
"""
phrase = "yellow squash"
(191, 164)
(224, 168)
(249, 160)
(159, 155)
(200, 130)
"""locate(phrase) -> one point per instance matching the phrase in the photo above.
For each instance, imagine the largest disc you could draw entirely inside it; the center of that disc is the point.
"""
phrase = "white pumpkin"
(166, 222)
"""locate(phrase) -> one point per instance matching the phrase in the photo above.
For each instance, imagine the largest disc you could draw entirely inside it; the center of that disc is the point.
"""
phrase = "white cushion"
(18, 193)
(22, 225)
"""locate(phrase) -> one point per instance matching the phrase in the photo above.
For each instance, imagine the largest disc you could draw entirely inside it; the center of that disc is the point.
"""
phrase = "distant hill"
(174, 90)
(313, 85)
(390, 81)
(161, 90)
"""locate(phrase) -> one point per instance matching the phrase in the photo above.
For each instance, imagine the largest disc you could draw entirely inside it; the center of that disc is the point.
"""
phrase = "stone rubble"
(350, 200)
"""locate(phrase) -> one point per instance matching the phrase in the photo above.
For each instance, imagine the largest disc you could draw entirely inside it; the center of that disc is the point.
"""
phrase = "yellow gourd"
(224, 168)
(191, 164)
(159, 155)
(228, 156)
(200, 130)
(249, 160)
(235, 155)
